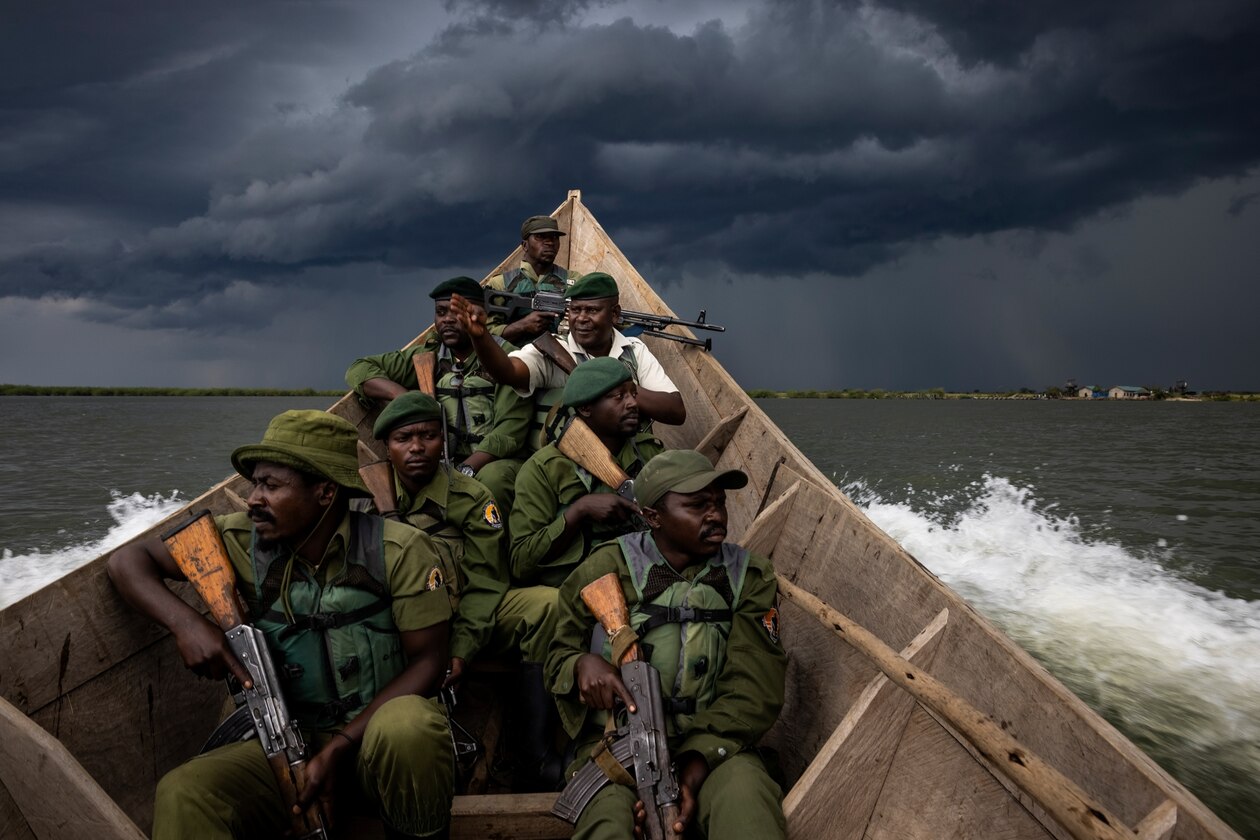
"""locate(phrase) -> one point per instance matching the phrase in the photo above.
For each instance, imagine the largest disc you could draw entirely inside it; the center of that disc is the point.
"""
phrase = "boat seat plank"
(836, 794)
(1160, 823)
(57, 797)
(516, 816)
(712, 444)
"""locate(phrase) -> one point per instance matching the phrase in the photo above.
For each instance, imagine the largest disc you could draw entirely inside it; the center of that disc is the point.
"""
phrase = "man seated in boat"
(724, 670)
(562, 511)
(594, 308)
(538, 272)
(301, 557)
(487, 422)
(490, 618)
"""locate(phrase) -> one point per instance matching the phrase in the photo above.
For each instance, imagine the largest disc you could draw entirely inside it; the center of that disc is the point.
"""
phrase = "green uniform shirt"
(512, 413)
(467, 505)
(546, 485)
(749, 688)
(409, 558)
(527, 282)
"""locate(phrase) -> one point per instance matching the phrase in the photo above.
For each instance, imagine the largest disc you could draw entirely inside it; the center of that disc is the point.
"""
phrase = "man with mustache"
(487, 422)
(490, 618)
(319, 580)
(704, 612)
(538, 272)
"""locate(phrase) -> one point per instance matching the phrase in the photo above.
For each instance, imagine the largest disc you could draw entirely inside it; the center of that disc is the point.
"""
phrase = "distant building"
(1091, 392)
(1128, 392)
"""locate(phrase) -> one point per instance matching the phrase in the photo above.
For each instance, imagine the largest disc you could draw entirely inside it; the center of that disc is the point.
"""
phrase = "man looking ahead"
(319, 581)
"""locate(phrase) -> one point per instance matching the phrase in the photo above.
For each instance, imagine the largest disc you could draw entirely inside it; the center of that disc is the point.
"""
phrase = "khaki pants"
(404, 771)
(526, 620)
(737, 800)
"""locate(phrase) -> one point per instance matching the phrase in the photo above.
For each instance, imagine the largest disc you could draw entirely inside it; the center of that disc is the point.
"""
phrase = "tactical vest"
(550, 416)
(449, 542)
(518, 282)
(683, 625)
(467, 400)
(342, 647)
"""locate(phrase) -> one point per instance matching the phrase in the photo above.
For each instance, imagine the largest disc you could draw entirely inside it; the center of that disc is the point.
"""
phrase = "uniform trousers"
(525, 620)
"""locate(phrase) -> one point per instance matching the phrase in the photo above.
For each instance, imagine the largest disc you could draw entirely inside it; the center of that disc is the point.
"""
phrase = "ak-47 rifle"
(198, 549)
(378, 475)
(512, 307)
(426, 383)
(582, 446)
(640, 745)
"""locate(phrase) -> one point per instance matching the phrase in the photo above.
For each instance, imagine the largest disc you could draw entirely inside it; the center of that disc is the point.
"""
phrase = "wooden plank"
(1159, 823)
(836, 794)
(519, 816)
(712, 444)
(12, 824)
(59, 800)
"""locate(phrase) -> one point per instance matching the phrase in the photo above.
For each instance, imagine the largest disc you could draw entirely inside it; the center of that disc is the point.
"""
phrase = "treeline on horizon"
(82, 391)
(942, 394)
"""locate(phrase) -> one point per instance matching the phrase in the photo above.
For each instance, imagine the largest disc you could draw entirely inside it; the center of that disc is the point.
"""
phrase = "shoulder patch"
(491, 514)
(436, 579)
(770, 621)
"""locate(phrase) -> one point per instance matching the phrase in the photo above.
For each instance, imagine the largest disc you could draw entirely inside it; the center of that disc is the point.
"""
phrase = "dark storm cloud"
(811, 136)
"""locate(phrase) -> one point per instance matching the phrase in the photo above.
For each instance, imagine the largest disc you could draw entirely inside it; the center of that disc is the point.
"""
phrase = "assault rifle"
(512, 307)
(640, 745)
(378, 476)
(198, 549)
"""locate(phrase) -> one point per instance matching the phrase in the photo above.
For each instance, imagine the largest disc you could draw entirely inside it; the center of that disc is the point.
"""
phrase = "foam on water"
(1174, 665)
(22, 574)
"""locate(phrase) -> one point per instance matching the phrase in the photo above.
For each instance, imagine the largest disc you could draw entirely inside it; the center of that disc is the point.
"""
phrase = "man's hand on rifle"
(206, 652)
(321, 776)
(692, 771)
(599, 684)
(604, 508)
(454, 672)
(528, 327)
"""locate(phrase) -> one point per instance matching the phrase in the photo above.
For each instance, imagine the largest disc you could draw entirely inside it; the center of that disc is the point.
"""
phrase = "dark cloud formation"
(165, 168)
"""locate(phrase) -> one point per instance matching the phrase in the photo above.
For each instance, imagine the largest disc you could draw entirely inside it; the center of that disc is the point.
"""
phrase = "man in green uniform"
(538, 272)
(319, 580)
(461, 516)
(486, 421)
(562, 511)
(722, 664)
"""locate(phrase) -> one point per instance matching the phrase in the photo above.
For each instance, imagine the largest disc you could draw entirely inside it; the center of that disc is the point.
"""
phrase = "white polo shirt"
(544, 374)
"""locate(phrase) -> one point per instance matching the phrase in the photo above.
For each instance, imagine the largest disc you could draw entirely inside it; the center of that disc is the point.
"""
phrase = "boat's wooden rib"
(235, 500)
(110, 686)
(837, 794)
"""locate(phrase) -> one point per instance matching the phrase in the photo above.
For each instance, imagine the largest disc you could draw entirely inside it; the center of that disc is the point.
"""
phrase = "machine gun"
(198, 549)
(640, 745)
(513, 307)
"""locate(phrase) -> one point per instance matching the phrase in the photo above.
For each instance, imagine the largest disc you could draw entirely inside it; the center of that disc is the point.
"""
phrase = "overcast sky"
(902, 194)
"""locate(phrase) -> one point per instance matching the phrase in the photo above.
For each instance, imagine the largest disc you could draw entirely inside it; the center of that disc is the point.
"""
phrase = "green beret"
(539, 224)
(405, 409)
(682, 471)
(592, 379)
(597, 284)
(465, 287)
(311, 441)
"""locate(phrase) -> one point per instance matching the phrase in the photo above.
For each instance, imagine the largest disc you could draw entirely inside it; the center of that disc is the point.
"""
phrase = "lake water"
(1115, 542)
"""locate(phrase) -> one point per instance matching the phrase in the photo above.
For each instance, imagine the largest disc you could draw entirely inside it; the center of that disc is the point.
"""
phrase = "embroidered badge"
(491, 515)
(436, 579)
(770, 621)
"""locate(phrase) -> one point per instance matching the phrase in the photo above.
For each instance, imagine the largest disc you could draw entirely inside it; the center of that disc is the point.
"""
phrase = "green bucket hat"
(592, 379)
(682, 471)
(404, 409)
(540, 224)
(465, 287)
(597, 284)
(312, 441)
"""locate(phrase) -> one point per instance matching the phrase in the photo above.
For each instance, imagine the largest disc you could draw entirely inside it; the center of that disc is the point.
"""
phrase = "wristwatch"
(467, 470)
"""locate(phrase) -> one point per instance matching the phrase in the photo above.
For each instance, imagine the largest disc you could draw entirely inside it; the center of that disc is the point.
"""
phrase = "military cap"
(592, 379)
(465, 287)
(597, 284)
(404, 409)
(311, 441)
(682, 471)
(539, 224)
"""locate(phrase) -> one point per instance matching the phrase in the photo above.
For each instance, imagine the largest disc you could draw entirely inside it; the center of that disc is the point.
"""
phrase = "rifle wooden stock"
(550, 346)
(604, 598)
(378, 475)
(583, 447)
(198, 549)
(424, 364)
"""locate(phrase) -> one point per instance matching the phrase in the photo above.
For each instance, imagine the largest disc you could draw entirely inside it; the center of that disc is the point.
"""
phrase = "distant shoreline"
(941, 394)
(78, 391)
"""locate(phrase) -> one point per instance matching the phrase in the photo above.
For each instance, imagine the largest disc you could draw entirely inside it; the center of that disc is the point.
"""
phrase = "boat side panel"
(12, 823)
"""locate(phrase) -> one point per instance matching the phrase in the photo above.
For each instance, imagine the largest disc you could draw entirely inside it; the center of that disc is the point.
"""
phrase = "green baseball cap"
(682, 471)
(405, 409)
(592, 379)
(311, 441)
(465, 287)
(540, 224)
(597, 284)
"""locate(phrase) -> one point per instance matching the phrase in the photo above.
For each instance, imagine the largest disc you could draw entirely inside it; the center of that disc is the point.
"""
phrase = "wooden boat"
(970, 738)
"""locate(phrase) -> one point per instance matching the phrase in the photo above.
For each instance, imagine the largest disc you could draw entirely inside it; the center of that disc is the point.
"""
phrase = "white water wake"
(1174, 665)
(22, 574)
